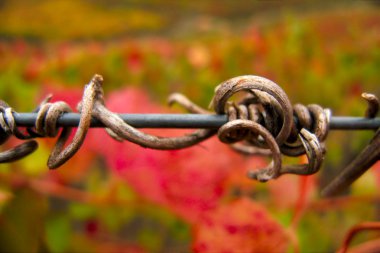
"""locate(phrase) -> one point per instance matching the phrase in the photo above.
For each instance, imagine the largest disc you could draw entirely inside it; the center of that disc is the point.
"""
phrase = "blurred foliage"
(72, 20)
(122, 198)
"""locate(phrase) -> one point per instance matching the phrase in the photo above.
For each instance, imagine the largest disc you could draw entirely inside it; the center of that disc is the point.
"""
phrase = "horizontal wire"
(187, 121)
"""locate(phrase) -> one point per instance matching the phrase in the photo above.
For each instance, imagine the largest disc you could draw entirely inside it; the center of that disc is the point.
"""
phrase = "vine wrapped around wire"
(262, 122)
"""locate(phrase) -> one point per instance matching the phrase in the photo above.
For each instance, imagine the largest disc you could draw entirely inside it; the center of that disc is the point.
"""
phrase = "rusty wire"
(262, 122)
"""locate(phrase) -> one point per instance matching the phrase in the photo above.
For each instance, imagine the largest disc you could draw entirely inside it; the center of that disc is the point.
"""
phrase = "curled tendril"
(8, 128)
(177, 98)
(315, 154)
(46, 126)
(373, 105)
(245, 146)
(312, 118)
(18, 152)
(270, 172)
(257, 85)
(59, 154)
(126, 132)
(262, 122)
(267, 105)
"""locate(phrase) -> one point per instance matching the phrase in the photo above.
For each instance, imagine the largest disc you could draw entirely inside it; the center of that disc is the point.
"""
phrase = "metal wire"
(187, 121)
(263, 122)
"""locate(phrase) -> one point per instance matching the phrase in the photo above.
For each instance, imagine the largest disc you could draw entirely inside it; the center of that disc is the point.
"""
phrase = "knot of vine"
(261, 121)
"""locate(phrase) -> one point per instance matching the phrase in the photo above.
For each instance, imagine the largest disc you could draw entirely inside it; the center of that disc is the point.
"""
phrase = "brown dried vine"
(262, 122)
(364, 160)
(7, 129)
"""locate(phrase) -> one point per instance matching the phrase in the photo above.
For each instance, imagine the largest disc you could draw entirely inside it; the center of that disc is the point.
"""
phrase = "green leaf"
(58, 233)
(35, 164)
(81, 211)
(365, 185)
(150, 240)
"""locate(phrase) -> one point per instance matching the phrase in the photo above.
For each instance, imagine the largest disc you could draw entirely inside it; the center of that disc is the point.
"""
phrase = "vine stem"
(365, 226)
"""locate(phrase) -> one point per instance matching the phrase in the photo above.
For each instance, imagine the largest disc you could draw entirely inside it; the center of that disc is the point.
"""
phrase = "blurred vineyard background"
(114, 197)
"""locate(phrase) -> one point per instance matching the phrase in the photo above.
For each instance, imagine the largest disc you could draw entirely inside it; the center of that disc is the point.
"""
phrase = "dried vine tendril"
(364, 160)
(123, 131)
(261, 122)
(7, 129)
(265, 120)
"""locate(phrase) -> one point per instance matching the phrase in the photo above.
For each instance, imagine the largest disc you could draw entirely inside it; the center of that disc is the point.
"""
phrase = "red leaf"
(239, 226)
(134, 60)
(189, 181)
(194, 181)
(140, 167)
(72, 96)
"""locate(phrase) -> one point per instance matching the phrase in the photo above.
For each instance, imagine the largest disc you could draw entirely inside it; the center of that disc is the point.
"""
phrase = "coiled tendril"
(9, 128)
(263, 122)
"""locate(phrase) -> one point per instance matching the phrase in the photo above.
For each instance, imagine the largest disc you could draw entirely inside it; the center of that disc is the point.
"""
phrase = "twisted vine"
(364, 160)
(262, 122)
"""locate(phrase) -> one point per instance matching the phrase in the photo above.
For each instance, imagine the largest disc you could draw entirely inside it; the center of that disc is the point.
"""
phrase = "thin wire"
(188, 121)
(264, 120)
